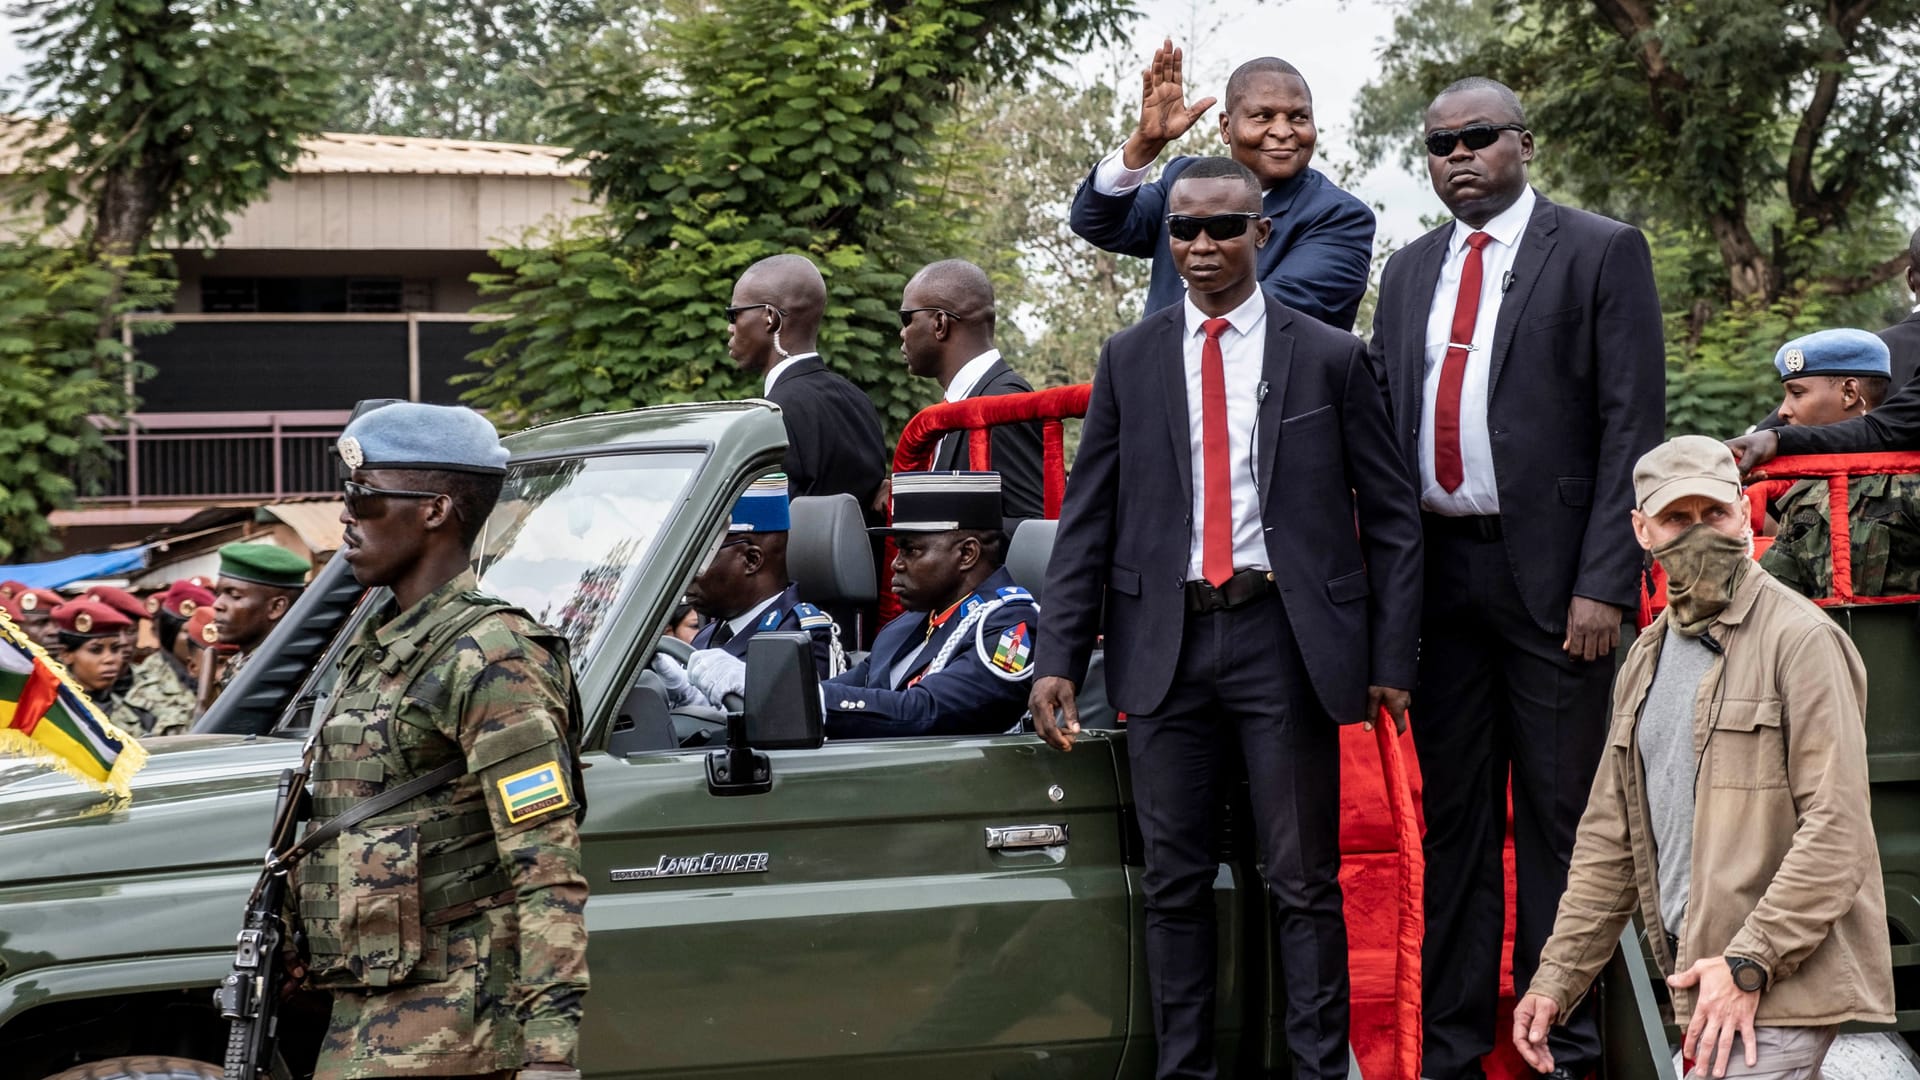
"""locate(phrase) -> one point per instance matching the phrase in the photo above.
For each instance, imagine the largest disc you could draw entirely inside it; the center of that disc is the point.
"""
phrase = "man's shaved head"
(957, 285)
(1263, 65)
(1501, 92)
(789, 282)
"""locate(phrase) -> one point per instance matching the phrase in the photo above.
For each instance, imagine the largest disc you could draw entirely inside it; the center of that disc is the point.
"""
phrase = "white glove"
(716, 673)
(674, 678)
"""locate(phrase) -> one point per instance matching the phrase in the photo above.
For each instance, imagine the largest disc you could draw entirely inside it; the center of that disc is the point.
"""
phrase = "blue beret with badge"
(1838, 352)
(411, 435)
(764, 508)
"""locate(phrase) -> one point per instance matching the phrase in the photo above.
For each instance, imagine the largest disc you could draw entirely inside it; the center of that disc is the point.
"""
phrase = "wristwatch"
(1747, 975)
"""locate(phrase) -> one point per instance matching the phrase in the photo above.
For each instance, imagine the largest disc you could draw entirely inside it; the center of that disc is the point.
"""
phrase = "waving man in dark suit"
(1229, 449)
(1521, 349)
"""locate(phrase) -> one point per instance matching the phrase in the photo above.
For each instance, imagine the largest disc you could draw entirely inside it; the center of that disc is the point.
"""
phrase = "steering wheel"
(682, 654)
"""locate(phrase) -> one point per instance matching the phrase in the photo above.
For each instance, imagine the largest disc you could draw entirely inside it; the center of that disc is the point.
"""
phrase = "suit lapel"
(1276, 361)
(1535, 245)
(1420, 301)
(1169, 356)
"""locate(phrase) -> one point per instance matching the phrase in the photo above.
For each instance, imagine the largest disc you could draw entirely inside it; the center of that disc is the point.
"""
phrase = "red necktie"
(1447, 468)
(1216, 542)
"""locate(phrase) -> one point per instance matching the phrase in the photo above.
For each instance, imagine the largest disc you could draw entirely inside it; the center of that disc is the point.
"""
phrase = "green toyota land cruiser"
(953, 907)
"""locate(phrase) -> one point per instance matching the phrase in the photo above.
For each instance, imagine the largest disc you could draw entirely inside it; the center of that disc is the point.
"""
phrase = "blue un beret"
(764, 508)
(1834, 352)
(409, 435)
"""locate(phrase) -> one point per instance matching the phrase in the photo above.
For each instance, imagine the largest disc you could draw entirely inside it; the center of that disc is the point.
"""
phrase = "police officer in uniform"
(486, 973)
(744, 588)
(161, 684)
(94, 649)
(257, 586)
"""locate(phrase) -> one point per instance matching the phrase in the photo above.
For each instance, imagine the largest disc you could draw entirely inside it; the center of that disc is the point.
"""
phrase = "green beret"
(263, 564)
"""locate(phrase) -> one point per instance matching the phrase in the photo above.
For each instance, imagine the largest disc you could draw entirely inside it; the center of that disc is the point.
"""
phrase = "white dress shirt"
(1243, 348)
(774, 372)
(1477, 493)
(740, 622)
(964, 381)
(1112, 177)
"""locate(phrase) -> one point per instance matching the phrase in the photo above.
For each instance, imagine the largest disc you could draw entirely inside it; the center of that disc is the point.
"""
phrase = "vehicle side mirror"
(782, 712)
(783, 693)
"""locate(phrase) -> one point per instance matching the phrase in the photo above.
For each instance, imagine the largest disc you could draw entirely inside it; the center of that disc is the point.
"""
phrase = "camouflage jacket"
(493, 979)
(1883, 521)
(229, 667)
(160, 687)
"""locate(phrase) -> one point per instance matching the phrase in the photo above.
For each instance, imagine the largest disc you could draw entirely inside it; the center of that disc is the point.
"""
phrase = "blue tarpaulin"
(52, 575)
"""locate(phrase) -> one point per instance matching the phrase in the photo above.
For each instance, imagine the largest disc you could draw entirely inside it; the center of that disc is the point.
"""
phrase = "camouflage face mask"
(1704, 566)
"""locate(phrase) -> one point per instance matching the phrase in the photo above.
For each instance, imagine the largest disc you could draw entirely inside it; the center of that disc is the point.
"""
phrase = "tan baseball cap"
(1688, 465)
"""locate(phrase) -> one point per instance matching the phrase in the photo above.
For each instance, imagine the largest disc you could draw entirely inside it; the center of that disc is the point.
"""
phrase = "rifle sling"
(379, 804)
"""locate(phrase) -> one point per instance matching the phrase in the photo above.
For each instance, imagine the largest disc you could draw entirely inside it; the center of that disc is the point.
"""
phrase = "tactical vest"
(376, 901)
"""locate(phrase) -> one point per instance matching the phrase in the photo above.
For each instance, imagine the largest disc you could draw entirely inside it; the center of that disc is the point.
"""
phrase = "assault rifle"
(250, 996)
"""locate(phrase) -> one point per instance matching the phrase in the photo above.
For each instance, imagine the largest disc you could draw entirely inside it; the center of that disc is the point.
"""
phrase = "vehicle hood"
(201, 800)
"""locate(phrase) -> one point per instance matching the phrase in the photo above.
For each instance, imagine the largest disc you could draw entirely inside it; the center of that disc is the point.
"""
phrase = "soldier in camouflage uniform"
(161, 684)
(449, 931)
(94, 650)
(257, 586)
(1827, 377)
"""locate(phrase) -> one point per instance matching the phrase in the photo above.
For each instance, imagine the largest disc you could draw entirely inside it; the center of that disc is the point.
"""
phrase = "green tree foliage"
(1777, 130)
(56, 372)
(738, 129)
(162, 117)
(451, 69)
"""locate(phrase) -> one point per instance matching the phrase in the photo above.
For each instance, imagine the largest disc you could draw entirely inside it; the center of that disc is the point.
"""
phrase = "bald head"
(1505, 103)
(957, 285)
(1245, 75)
(946, 319)
(776, 310)
(789, 282)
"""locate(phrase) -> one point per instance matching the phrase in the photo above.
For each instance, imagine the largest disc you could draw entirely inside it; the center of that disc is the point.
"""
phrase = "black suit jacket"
(1015, 449)
(1326, 455)
(834, 443)
(1576, 394)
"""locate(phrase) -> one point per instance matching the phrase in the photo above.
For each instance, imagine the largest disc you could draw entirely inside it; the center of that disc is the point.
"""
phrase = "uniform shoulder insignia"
(771, 620)
(1014, 650)
(811, 617)
(535, 791)
(1014, 594)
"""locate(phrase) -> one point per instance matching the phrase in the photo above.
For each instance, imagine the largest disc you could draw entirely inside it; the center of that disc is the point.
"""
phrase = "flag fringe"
(132, 756)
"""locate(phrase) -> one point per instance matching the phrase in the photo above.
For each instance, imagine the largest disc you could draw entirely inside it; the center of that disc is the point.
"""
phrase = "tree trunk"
(1750, 273)
(122, 226)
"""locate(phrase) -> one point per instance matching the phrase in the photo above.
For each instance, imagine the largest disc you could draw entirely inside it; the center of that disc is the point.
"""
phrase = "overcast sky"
(1333, 42)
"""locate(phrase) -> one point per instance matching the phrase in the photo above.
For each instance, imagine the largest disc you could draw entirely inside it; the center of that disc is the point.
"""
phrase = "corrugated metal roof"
(391, 155)
(317, 523)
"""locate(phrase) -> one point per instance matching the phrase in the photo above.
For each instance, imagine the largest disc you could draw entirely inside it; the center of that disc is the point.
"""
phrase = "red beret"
(182, 598)
(119, 600)
(200, 630)
(39, 600)
(87, 617)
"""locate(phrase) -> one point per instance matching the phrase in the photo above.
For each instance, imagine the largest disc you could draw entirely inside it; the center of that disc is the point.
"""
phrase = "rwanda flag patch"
(533, 792)
(1014, 650)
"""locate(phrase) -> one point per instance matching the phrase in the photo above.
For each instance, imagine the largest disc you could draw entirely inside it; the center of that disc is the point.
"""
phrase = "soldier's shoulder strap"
(810, 617)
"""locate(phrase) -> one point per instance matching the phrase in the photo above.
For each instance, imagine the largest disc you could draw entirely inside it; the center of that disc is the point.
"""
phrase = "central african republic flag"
(45, 716)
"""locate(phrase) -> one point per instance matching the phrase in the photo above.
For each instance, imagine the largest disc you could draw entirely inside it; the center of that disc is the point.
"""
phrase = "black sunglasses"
(1219, 226)
(359, 495)
(734, 313)
(907, 314)
(1476, 136)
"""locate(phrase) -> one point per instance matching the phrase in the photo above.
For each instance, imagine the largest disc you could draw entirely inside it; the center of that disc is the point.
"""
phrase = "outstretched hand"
(1164, 112)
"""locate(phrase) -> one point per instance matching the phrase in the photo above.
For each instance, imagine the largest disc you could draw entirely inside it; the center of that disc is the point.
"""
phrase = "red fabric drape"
(1411, 886)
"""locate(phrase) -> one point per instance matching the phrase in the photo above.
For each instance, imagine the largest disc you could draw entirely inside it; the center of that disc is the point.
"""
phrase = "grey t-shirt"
(1666, 753)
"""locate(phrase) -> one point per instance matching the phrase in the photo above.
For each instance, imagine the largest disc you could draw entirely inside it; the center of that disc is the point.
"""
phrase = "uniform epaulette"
(812, 618)
(1014, 594)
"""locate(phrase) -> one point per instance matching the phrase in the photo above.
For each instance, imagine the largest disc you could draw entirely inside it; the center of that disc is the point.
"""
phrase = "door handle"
(1012, 837)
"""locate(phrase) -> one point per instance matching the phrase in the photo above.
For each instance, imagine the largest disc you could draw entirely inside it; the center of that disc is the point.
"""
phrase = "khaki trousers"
(1784, 1053)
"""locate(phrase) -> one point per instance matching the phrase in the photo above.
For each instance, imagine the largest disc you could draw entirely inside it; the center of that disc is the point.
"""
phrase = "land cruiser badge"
(698, 866)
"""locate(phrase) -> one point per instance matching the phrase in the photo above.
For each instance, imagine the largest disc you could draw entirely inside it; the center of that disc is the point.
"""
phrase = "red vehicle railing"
(1837, 470)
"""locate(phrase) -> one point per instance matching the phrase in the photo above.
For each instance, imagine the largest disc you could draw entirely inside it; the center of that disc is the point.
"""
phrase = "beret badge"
(153, 604)
(1795, 360)
(28, 601)
(82, 622)
(210, 634)
(187, 608)
(350, 452)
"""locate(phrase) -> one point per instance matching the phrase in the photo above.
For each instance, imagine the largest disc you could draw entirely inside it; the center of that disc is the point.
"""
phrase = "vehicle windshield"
(568, 536)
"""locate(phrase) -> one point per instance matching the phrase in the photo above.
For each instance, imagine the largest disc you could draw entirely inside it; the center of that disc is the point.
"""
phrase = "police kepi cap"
(1688, 465)
(764, 508)
(410, 435)
(1834, 352)
(263, 564)
(933, 502)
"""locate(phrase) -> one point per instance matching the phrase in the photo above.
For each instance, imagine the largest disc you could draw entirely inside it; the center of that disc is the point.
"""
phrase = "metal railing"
(172, 457)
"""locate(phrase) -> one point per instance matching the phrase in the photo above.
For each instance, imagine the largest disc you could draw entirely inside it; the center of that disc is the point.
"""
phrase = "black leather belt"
(1241, 589)
(1471, 526)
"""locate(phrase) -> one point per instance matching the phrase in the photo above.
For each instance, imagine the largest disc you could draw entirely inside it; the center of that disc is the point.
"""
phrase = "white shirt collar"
(1245, 319)
(745, 619)
(774, 372)
(1505, 227)
(970, 374)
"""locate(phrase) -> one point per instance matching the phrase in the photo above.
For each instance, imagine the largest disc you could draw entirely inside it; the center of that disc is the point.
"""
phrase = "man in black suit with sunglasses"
(834, 442)
(1230, 448)
(1521, 351)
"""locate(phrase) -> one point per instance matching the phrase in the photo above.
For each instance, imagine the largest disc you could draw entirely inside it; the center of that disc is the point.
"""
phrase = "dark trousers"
(1240, 680)
(1497, 694)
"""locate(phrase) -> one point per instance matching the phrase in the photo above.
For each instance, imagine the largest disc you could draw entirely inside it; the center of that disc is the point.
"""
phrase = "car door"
(854, 921)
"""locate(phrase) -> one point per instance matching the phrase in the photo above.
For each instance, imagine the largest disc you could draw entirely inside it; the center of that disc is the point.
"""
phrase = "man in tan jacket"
(1731, 808)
